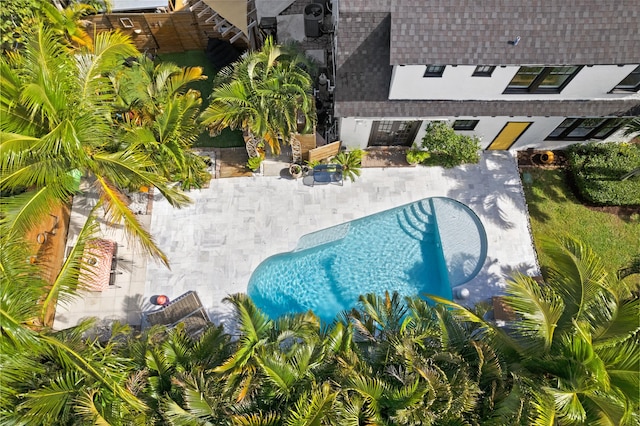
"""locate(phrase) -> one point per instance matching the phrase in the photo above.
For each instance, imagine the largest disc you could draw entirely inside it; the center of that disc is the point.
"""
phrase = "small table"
(95, 274)
(327, 173)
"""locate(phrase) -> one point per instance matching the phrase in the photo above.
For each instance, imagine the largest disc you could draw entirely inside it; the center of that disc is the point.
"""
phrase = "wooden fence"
(160, 32)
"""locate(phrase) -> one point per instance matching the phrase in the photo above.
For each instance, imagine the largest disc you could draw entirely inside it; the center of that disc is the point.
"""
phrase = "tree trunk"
(250, 143)
(296, 150)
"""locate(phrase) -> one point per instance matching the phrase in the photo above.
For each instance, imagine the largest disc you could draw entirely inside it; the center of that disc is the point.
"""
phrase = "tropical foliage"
(266, 94)
(19, 18)
(570, 358)
(351, 163)
(448, 148)
(57, 110)
(56, 377)
(632, 127)
(575, 340)
(159, 114)
(604, 172)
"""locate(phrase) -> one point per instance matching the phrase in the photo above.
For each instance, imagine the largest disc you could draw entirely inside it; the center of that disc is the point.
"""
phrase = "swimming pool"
(427, 246)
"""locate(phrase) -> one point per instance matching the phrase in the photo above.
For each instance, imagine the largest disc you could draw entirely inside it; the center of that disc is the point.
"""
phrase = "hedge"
(597, 170)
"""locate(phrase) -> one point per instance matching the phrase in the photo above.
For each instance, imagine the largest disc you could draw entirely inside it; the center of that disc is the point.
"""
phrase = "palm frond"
(254, 327)
(79, 361)
(623, 367)
(256, 419)
(278, 372)
(623, 324)
(312, 408)
(51, 402)
(117, 211)
(578, 275)
(176, 415)
(88, 410)
(66, 284)
(539, 309)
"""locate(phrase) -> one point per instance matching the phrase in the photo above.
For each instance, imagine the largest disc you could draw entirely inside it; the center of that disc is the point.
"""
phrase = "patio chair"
(185, 309)
(327, 173)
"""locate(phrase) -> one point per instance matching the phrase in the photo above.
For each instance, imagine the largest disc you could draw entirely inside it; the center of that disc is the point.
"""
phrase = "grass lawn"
(198, 58)
(554, 210)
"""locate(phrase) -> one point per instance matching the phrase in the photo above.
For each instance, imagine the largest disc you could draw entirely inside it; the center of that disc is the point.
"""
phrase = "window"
(581, 129)
(386, 133)
(483, 71)
(434, 71)
(631, 83)
(541, 79)
(465, 124)
(126, 23)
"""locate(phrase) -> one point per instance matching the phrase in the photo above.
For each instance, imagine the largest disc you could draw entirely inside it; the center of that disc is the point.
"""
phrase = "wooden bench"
(324, 152)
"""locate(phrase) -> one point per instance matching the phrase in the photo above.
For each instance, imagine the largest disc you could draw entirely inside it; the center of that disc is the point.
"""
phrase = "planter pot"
(295, 170)
(547, 157)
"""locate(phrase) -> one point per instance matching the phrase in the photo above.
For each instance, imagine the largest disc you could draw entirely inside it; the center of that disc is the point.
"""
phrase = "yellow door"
(509, 134)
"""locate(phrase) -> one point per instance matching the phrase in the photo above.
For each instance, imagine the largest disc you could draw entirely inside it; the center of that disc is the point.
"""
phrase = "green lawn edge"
(228, 138)
(555, 211)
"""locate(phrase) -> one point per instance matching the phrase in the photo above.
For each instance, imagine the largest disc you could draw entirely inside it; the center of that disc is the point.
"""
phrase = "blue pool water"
(395, 250)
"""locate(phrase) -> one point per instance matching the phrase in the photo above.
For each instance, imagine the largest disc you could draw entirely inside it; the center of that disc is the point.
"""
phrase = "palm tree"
(57, 118)
(575, 341)
(48, 377)
(160, 116)
(265, 93)
(67, 22)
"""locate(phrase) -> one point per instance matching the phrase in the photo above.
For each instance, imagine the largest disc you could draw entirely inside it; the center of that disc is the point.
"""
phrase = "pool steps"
(417, 222)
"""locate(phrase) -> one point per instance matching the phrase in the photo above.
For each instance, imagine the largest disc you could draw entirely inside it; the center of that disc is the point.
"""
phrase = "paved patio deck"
(236, 223)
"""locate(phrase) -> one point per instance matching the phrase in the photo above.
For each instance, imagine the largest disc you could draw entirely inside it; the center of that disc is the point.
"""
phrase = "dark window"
(631, 83)
(483, 71)
(434, 71)
(386, 133)
(581, 129)
(541, 79)
(465, 124)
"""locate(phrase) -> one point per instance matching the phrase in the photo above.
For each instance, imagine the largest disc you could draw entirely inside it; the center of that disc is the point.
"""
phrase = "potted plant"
(254, 163)
(295, 170)
(351, 163)
(416, 156)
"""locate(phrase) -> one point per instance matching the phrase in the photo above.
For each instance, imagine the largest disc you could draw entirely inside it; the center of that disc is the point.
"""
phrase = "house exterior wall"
(354, 132)
(457, 83)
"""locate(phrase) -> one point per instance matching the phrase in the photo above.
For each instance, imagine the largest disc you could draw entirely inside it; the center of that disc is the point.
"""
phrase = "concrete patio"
(234, 224)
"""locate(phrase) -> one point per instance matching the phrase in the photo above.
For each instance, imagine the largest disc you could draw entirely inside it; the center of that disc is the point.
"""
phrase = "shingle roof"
(362, 63)
(364, 76)
(553, 32)
(599, 108)
(471, 32)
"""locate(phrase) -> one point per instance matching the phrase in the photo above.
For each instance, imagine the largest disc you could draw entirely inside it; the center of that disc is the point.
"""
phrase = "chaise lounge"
(327, 173)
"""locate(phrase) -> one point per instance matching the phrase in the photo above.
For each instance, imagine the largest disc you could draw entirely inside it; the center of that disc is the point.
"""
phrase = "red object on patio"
(98, 255)
(162, 300)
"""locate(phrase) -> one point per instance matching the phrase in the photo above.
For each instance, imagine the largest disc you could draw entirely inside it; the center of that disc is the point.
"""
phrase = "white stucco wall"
(354, 132)
(457, 83)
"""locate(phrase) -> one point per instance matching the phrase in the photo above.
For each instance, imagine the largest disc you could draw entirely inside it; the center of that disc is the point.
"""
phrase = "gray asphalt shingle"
(364, 75)
(469, 32)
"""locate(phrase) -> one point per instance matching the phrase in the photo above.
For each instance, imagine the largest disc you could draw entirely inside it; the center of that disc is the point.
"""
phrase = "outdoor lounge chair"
(327, 173)
(185, 309)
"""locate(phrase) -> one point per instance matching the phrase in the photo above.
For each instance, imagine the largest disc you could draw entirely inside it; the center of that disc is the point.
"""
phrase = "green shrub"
(448, 148)
(416, 156)
(598, 168)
